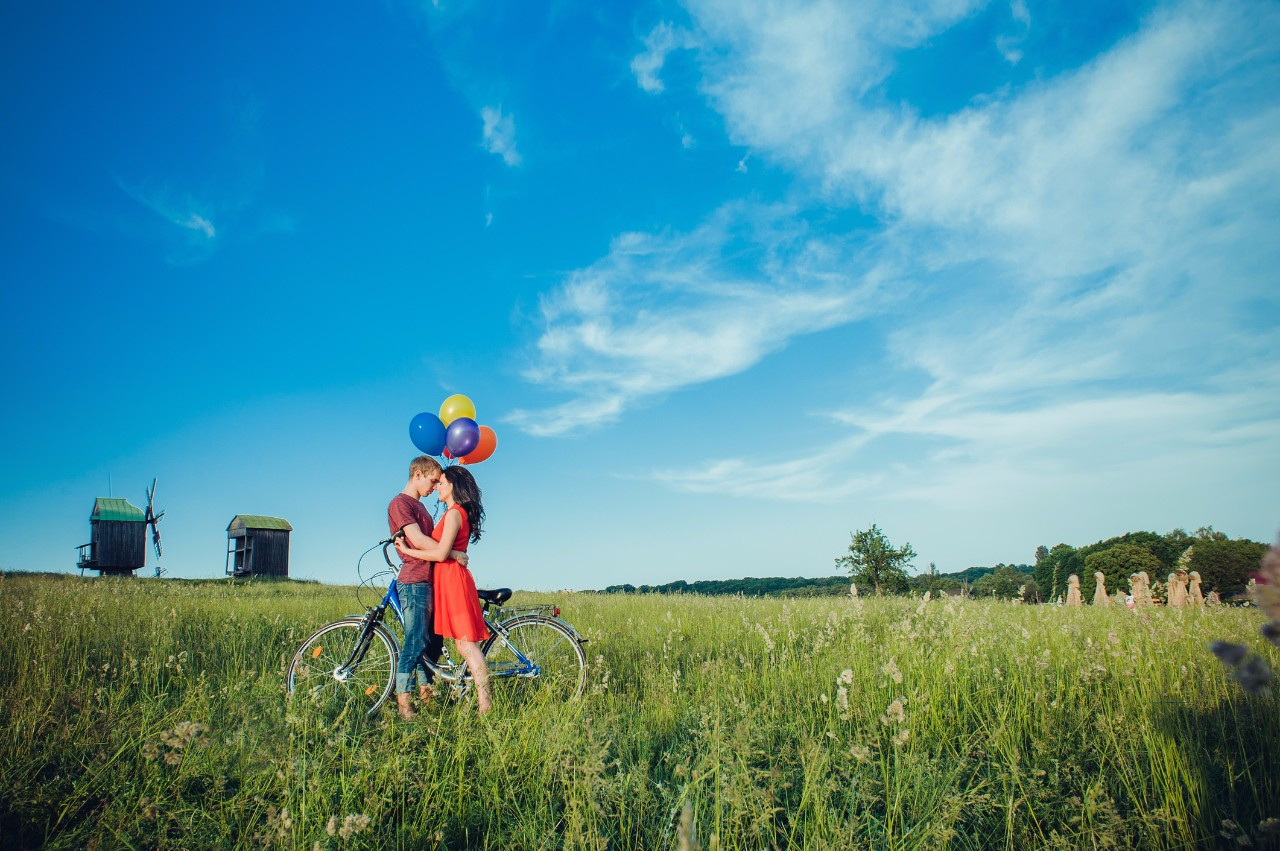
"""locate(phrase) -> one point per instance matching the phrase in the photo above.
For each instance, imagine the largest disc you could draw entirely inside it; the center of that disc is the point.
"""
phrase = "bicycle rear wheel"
(344, 669)
(561, 666)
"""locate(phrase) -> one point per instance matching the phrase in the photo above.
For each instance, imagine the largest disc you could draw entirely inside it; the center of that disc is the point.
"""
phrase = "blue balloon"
(427, 433)
(463, 435)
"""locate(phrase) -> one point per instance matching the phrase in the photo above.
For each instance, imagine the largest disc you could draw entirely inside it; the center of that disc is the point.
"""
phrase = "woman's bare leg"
(470, 651)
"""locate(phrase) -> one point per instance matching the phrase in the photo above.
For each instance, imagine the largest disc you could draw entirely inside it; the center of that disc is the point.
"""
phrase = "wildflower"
(900, 738)
(351, 825)
(188, 730)
(894, 713)
(890, 669)
(846, 677)
(842, 700)
(861, 753)
(150, 750)
(172, 758)
(685, 835)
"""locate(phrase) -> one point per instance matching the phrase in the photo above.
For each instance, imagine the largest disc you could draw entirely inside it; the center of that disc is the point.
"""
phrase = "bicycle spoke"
(553, 666)
(326, 681)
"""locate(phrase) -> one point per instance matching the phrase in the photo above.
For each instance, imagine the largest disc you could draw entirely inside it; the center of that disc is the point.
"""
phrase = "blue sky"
(730, 279)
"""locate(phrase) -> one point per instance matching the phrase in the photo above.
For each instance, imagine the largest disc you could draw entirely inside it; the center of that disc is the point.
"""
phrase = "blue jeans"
(420, 639)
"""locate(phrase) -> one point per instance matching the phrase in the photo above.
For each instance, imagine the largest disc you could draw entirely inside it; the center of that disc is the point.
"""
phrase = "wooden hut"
(258, 546)
(118, 541)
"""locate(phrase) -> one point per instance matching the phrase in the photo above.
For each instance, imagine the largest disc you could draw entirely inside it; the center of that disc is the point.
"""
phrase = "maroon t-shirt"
(403, 511)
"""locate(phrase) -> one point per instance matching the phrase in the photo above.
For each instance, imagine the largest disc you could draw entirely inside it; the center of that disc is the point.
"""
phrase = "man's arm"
(420, 540)
(435, 550)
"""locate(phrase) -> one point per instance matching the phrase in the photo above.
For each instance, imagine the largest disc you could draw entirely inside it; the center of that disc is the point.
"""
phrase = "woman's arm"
(437, 550)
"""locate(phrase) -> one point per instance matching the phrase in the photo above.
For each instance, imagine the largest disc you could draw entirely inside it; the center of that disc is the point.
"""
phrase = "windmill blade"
(153, 518)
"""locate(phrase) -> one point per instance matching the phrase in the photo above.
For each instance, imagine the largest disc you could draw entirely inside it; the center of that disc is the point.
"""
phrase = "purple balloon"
(462, 436)
(427, 433)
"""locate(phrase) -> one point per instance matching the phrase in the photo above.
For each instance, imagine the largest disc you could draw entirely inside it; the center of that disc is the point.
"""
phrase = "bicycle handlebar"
(386, 545)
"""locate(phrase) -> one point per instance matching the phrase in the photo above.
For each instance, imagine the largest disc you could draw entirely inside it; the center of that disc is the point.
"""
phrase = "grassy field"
(152, 713)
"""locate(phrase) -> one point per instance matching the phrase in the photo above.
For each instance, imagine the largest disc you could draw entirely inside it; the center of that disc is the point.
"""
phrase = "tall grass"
(145, 713)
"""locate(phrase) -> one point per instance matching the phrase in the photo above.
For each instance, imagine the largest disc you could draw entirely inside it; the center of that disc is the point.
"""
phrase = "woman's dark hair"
(467, 494)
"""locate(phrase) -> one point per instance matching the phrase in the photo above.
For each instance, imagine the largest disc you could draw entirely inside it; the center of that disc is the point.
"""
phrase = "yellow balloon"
(456, 406)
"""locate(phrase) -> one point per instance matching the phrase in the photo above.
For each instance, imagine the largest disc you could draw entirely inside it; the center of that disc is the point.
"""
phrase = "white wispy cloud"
(662, 312)
(811, 477)
(1091, 249)
(176, 208)
(658, 44)
(199, 223)
(500, 134)
(190, 231)
(1010, 44)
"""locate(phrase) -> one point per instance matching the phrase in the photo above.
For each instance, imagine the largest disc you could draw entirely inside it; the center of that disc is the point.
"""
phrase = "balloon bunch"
(454, 433)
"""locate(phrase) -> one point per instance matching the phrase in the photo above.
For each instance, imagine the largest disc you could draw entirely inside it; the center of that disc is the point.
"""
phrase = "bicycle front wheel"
(344, 668)
(538, 656)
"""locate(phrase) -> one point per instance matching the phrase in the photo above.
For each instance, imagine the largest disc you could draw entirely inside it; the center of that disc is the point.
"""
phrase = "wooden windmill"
(118, 544)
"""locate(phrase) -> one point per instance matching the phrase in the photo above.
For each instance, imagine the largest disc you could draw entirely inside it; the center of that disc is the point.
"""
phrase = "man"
(406, 514)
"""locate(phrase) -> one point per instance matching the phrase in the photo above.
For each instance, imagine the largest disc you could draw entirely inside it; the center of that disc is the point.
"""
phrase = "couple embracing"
(437, 592)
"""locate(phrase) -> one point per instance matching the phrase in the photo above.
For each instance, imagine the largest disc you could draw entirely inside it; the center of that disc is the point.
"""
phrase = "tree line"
(876, 566)
(1224, 564)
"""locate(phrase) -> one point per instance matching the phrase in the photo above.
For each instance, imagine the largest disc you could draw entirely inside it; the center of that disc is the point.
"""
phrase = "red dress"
(457, 606)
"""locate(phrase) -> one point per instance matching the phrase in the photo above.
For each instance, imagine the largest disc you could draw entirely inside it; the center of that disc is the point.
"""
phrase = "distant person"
(457, 608)
(406, 514)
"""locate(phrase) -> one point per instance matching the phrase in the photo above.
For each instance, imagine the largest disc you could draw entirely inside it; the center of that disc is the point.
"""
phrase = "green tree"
(1003, 582)
(1052, 571)
(1225, 566)
(1163, 547)
(1117, 564)
(873, 562)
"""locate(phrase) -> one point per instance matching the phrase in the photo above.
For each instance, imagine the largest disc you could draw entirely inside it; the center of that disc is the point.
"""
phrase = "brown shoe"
(406, 711)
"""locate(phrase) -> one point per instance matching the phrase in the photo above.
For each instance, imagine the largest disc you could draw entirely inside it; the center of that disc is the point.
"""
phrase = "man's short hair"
(424, 464)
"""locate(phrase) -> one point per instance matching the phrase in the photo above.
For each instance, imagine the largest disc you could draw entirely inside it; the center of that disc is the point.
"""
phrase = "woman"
(457, 608)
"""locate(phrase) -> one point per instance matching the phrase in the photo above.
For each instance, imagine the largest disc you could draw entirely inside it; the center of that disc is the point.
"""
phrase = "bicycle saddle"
(497, 596)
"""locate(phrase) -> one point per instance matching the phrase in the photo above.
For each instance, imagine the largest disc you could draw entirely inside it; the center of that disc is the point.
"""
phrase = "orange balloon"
(488, 443)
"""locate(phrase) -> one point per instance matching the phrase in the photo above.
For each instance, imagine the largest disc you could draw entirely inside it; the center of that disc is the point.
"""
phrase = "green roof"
(258, 521)
(105, 508)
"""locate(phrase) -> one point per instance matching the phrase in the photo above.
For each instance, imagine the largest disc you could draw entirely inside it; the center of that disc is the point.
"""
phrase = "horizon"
(730, 281)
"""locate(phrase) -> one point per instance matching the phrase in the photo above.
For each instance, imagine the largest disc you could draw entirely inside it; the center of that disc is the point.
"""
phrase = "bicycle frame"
(510, 630)
(451, 673)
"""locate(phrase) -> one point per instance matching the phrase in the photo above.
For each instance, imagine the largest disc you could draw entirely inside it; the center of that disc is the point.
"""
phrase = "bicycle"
(351, 663)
